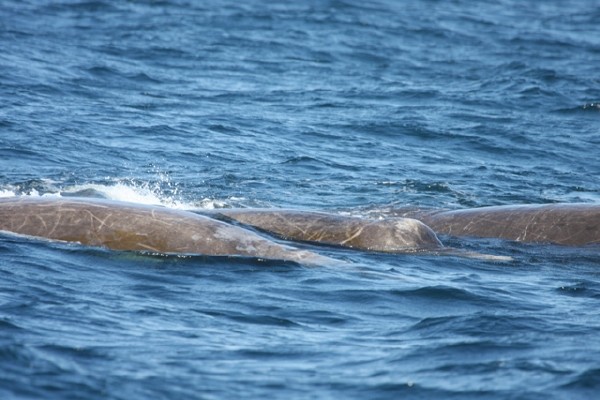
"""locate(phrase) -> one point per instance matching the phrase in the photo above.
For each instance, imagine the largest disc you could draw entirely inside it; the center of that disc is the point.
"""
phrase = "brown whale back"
(124, 226)
(386, 235)
(565, 224)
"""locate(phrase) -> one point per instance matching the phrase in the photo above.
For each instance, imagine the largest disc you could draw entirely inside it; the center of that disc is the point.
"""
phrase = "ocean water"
(342, 106)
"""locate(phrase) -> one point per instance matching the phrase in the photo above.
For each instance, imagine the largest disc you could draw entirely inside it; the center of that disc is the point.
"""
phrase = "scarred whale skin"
(393, 235)
(125, 226)
(564, 224)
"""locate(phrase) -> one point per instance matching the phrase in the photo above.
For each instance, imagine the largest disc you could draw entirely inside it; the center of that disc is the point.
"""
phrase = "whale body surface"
(563, 224)
(391, 235)
(125, 226)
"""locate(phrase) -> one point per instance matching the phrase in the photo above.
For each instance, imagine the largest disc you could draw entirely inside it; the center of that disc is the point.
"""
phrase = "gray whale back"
(124, 226)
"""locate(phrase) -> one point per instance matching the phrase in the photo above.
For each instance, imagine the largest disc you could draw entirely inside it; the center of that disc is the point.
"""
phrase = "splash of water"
(162, 192)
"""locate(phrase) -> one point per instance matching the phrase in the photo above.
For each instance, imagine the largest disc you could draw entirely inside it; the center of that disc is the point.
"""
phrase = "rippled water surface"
(343, 106)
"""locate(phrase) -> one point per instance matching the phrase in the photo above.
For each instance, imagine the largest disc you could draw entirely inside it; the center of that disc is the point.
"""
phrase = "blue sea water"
(339, 105)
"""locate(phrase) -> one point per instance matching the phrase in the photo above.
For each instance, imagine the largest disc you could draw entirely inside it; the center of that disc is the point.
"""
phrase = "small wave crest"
(131, 192)
(587, 107)
(7, 193)
(122, 190)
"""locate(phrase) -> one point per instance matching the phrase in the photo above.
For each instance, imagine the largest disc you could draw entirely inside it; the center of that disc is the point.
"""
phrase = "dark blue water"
(324, 105)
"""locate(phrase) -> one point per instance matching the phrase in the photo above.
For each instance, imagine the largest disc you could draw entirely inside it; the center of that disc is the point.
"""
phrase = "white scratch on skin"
(56, 223)
(41, 221)
(523, 237)
(147, 247)
(25, 222)
(94, 218)
(353, 236)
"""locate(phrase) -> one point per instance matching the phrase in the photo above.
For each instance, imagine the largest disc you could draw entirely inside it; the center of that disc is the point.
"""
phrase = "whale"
(575, 224)
(233, 232)
(390, 235)
(133, 227)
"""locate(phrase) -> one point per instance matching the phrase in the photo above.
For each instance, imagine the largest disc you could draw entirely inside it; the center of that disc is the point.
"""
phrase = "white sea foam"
(129, 191)
(146, 193)
(7, 193)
